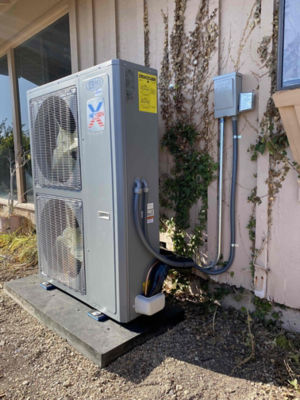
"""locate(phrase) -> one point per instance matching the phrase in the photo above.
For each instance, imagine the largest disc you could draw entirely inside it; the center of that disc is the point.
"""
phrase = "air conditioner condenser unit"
(92, 134)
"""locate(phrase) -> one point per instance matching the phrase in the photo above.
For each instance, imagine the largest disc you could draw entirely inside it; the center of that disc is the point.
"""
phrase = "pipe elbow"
(137, 187)
(145, 185)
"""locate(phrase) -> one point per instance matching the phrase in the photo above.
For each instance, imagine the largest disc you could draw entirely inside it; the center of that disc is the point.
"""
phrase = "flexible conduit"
(210, 270)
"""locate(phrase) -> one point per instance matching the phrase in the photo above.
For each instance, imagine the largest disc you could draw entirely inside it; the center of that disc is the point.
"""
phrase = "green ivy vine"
(192, 173)
(185, 108)
(272, 139)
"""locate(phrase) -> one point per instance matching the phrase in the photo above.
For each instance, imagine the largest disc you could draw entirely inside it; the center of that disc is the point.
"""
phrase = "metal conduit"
(210, 269)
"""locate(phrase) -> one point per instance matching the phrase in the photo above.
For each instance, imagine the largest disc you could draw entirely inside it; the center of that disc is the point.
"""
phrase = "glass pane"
(43, 58)
(291, 46)
(7, 157)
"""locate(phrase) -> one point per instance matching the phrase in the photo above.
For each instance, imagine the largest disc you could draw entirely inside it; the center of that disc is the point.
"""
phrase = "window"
(43, 58)
(289, 45)
(6, 132)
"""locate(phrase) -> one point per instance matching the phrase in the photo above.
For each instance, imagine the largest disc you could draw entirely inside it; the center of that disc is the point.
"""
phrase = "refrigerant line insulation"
(210, 269)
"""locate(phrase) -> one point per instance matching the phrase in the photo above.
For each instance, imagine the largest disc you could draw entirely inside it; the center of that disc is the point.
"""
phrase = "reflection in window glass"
(7, 157)
(291, 45)
(42, 59)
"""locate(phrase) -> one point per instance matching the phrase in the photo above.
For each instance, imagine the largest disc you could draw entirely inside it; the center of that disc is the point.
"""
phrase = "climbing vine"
(192, 173)
(146, 36)
(254, 200)
(186, 112)
(272, 139)
(253, 20)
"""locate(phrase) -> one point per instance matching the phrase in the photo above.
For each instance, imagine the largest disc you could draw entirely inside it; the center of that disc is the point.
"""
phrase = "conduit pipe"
(220, 196)
(210, 269)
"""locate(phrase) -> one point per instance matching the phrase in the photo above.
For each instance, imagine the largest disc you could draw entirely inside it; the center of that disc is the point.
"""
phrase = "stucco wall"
(283, 250)
(236, 51)
(239, 39)
(104, 29)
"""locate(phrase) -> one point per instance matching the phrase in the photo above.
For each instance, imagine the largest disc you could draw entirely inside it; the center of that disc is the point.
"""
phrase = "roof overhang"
(5, 5)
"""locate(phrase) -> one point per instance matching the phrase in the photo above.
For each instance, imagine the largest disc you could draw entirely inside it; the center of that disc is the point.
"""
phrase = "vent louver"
(61, 248)
(55, 139)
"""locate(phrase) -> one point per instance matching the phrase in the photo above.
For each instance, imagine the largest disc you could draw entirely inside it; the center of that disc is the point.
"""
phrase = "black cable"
(138, 189)
(136, 213)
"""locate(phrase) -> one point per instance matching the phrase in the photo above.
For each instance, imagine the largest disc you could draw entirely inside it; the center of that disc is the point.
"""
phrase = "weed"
(19, 248)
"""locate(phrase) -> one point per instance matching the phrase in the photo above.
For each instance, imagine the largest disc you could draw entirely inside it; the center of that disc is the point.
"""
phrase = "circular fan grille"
(55, 140)
(61, 240)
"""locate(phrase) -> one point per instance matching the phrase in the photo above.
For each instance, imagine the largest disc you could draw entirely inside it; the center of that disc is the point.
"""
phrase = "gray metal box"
(227, 90)
(83, 181)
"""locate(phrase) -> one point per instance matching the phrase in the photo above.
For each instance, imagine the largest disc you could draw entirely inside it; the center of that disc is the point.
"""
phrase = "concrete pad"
(101, 342)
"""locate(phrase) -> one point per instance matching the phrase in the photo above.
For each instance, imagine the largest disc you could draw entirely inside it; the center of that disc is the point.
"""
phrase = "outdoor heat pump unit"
(92, 134)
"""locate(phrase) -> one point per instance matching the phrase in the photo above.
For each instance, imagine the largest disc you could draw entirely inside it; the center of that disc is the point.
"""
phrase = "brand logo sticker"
(94, 84)
(95, 114)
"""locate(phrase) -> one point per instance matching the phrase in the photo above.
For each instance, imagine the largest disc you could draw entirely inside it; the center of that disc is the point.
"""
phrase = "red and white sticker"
(150, 213)
(95, 114)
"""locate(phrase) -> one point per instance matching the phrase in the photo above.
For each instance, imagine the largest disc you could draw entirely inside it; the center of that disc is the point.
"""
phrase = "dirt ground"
(203, 357)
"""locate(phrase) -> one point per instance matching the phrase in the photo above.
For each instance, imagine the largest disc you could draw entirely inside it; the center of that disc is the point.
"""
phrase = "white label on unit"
(150, 213)
(95, 114)
(94, 84)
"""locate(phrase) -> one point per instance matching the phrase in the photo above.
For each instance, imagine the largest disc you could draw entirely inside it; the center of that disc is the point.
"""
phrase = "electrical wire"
(138, 190)
(153, 265)
(145, 200)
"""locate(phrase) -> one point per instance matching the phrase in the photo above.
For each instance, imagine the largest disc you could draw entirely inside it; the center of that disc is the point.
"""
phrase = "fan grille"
(55, 140)
(61, 249)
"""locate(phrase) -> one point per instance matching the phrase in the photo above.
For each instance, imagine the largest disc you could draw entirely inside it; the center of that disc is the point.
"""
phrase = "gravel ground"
(203, 357)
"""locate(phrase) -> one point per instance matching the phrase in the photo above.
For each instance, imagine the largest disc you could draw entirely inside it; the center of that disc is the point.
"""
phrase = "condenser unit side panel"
(98, 193)
(120, 195)
(141, 148)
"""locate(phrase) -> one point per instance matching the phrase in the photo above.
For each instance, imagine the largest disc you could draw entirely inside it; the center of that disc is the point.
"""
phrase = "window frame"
(15, 121)
(20, 177)
(8, 50)
(280, 50)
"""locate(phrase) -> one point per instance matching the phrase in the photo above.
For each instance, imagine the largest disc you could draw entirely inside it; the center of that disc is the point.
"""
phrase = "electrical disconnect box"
(92, 134)
(227, 89)
(246, 101)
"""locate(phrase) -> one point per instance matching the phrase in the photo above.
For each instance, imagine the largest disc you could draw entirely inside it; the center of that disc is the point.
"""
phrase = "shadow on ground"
(206, 356)
(219, 340)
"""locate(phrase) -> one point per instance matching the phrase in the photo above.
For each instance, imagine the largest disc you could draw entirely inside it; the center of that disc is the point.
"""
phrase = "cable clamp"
(234, 245)
(237, 136)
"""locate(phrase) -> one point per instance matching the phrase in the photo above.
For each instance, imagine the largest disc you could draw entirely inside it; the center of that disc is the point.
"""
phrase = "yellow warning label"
(147, 92)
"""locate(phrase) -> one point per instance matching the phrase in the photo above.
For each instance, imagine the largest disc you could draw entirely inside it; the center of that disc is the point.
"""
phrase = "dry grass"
(19, 247)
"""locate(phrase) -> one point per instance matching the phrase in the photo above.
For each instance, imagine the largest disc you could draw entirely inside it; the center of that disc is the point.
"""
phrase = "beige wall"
(283, 250)
(238, 52)
(104, 29)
